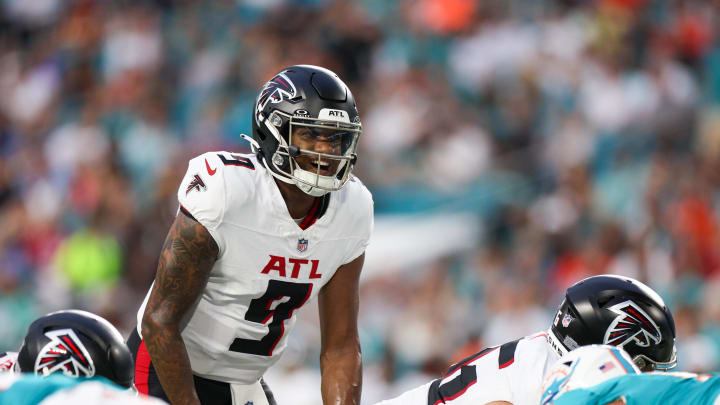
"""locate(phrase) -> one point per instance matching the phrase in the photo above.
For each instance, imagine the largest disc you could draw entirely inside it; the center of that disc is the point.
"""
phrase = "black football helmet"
(77, 344)
(314, 102)
(617, 311)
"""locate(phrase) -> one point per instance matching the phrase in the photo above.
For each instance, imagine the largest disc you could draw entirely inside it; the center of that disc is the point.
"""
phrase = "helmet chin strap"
(309, 177)
(554, 342)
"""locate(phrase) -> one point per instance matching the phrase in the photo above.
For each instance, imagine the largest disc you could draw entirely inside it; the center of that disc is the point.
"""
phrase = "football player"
(602, 375)
(71, 356)
(256, 237)
(603, 309)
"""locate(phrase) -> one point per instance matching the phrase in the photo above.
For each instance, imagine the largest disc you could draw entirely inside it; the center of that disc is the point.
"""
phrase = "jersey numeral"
(440, 393)
(238, 161)
(278, 303)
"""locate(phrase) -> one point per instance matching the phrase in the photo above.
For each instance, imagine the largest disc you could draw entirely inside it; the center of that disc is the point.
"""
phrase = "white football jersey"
(8, 362)
(512, 372)
(267, 267)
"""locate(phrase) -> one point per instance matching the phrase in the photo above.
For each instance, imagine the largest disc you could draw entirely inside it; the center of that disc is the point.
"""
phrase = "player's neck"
(297, 202)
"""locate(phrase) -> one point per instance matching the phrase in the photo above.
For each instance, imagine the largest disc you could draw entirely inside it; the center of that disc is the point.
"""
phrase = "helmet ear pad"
(121, 365)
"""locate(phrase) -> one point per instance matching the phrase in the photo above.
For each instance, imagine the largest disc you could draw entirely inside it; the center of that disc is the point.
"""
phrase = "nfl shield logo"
(302, 245)
(566, 320)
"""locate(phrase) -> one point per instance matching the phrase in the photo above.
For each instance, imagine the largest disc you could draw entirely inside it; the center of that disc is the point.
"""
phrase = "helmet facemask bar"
(313, 181)
(645, 363)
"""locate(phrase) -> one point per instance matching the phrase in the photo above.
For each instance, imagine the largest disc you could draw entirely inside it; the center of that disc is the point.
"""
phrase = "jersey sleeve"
(203, 194)
(364, 220)
(481, 378)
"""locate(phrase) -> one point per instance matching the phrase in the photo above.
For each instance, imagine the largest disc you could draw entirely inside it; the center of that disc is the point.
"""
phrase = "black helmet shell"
(618, 311)
(77, 344)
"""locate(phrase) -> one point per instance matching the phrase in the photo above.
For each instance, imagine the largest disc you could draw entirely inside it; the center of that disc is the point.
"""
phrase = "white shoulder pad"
(207, 188)
(361, 210)
(202, 192)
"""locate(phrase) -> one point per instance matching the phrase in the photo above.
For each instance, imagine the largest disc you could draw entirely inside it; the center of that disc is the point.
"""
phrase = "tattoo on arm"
(185, 262)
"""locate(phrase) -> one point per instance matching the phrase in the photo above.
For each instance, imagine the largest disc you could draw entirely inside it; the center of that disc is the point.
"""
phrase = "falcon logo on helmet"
(277, 89)
(631, 324)
(64, 353)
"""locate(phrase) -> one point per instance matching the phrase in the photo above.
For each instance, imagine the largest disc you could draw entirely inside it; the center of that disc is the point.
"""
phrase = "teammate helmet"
(617, 311)
(77, 344)
(314, 102)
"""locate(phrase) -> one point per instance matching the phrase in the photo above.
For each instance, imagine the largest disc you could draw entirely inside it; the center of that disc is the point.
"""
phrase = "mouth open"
(321, 166)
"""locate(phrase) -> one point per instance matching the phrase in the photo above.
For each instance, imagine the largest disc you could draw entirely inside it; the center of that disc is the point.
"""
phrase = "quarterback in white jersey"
(256, 237)
(596, 310)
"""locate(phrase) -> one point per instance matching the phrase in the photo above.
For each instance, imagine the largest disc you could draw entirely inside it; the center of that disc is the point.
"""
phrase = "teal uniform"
(648, 389)
(31, 390)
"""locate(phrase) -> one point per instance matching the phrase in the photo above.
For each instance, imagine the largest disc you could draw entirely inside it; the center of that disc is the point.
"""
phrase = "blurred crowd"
(585, 135)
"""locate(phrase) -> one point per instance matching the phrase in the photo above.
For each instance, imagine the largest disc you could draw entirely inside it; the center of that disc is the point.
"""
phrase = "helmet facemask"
(646, 364)
(297, 160)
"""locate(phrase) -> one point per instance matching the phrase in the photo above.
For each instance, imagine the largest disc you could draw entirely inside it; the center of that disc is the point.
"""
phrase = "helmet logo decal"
(631, 325)
(277, 89)
(64, 353)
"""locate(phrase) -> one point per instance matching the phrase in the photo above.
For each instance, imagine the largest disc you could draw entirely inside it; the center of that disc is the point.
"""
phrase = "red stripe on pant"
(142, 369)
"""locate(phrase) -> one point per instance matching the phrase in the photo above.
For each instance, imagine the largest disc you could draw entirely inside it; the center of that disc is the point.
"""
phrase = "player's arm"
(186, 259)
(340, 359)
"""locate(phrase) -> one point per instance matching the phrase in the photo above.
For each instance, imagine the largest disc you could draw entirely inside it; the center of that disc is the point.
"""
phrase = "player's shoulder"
(214, 175)
(356, 198)
(537, 342)
(224, 164)
(506, 356)
(534, 351)
(215, 181)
